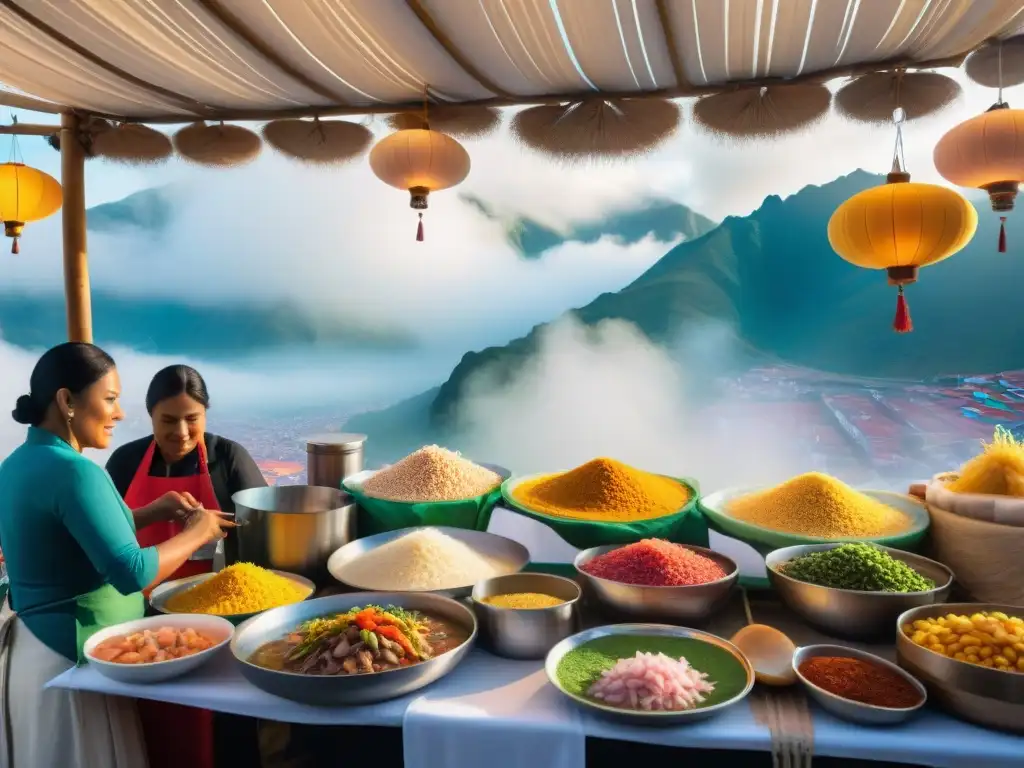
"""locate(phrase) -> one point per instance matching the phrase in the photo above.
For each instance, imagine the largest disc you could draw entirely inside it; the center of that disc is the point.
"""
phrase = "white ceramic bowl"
(214, 627)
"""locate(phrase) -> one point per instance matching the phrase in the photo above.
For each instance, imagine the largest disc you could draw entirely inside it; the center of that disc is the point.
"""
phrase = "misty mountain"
(33, 320)
(774, 280)
(151, 210)
(664, 220)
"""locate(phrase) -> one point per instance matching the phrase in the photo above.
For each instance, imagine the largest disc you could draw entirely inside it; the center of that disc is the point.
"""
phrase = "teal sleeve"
(94, 514)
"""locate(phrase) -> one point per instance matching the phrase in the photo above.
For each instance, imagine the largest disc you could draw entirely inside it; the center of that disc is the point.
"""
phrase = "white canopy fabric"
(178, 60)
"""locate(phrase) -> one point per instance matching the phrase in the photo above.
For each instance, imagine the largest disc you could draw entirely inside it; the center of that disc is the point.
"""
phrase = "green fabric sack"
(687, 526)
(380, 516)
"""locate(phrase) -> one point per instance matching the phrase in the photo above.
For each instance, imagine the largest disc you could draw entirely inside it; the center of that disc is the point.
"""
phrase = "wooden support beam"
(32, 104)
(76, 258)
(28, 129)
(665, 20)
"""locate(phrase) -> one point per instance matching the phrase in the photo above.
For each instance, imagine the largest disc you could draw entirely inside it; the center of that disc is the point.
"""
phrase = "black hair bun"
(25, 411)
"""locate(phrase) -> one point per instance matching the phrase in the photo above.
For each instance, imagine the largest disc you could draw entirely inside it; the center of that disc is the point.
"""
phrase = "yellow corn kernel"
(999, 615)
(985, 638)
(1010, 654)
(960, 656)
(970, 640)
(918, 637)
(908, 629)
(986, 662)
(986, 652)
(1020, 663)
(938, 648)
(972, 650)
(976, 617)
(1001, 636)
(953, 648)
(922, 625)
(1019, 647)
(1000, 661)
(972, 657)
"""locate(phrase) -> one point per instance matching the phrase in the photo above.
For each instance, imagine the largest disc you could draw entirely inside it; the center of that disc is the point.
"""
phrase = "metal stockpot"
(293, 528)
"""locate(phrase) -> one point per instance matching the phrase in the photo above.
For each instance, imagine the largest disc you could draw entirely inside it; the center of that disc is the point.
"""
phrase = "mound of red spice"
(860, 681)
(655, 563)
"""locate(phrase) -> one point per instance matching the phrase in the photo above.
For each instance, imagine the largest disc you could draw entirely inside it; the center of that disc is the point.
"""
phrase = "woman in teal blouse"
(74, 564)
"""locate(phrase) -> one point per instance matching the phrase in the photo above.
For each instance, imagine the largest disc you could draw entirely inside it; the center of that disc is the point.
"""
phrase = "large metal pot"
(294, 528)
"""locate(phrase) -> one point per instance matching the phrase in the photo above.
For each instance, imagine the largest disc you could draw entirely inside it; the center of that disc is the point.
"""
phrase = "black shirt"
(231, 467)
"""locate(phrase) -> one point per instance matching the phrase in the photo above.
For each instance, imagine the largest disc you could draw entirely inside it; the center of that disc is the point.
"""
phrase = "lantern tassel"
(419, 230)
(902, 323)
(16, 246)
(1002, 234)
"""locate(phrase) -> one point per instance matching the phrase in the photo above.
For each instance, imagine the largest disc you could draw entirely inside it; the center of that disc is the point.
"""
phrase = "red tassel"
(419, 230)
(1002, 234)
(902, 323)
(16, 246)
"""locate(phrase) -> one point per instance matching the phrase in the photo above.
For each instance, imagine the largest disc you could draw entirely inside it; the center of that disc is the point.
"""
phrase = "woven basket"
(132, 144)
(985, 557)
(220, 145)
(1002, 510)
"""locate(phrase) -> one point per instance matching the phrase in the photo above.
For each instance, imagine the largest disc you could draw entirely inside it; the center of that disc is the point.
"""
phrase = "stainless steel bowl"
(346, 690)
(851, 613)
(693, 603)
(518, 633)
(984, 696)
(847, 709)
(293, 527)
(633, 717)
(512, 554)
(160, 595)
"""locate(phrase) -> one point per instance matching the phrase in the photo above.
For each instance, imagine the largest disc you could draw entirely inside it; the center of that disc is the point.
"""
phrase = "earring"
(71, 415)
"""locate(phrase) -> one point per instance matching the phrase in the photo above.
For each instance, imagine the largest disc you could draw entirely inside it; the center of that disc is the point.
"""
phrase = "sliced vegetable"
(395, 634)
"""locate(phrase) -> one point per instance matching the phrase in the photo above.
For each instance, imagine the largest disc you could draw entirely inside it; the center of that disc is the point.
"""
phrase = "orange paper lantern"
(986, 152)
(26, 195)
(421, 161)
(900, 227)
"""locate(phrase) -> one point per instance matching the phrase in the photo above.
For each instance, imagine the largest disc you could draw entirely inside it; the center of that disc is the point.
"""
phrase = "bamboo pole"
(76, 259)
(29, 129)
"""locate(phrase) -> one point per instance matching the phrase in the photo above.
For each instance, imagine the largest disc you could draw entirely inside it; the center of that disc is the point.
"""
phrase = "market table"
(500, 713)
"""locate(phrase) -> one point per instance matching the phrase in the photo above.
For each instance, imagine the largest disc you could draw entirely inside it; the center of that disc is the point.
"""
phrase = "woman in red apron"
(182, 457)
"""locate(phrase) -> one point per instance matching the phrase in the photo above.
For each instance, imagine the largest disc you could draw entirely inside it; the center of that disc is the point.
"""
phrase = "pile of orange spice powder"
(860, 681)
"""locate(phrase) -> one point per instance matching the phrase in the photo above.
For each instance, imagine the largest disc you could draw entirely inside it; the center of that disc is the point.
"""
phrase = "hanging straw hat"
(131, 143)
(872, 98)
(460, 122)
(222, 145)
(763, 112)
(597, 128)
(983, 66)
(328, 142)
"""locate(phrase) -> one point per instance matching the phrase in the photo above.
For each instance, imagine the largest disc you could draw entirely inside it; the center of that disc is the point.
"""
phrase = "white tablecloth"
(508, 702)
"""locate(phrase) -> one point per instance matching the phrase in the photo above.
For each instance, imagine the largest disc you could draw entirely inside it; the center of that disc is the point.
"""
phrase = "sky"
(340, 241)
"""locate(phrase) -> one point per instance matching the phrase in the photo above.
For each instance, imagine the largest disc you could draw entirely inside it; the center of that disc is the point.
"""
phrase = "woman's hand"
(918, 490)
(175, 506)
(209, 522)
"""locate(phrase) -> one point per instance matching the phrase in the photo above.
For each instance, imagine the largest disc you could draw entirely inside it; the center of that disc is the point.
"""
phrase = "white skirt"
(57, 728)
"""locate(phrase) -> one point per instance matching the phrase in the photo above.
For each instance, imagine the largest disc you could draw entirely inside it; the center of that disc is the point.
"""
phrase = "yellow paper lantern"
(26, 195)
(986, 152)
(900, 227)
(421, 161)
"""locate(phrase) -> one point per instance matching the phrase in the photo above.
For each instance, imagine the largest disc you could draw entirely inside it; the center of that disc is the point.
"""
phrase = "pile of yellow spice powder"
(238, 589)
(819, 506)
(603, 490)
